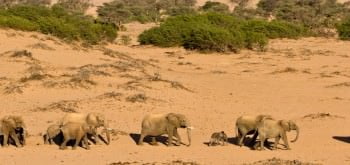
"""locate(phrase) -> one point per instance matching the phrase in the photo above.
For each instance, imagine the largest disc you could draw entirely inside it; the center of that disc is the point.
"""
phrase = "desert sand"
(306, 80)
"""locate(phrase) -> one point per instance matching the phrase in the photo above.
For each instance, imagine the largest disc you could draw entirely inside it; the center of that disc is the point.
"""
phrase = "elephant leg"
(154, 141)
(77, 141)
(176, 134)
(254, 138)
(262, 141)
(285, 140)
(170, 136)
(223, 142)
(142, 136)
(97, 139)
(64, 144)
(86, 143)
(240, 142)
(14, 136)
(6, 138)
(277, 139)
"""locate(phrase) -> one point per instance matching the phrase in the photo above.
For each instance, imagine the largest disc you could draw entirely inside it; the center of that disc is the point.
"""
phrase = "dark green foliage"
(210, 6)
(218, 32)
(344, 29)
(315, 15)
(58, 22)
(123, 11)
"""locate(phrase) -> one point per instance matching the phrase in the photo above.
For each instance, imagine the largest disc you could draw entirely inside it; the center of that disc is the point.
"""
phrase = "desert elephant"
(14, 127)
(159, 124)
(246, 125)
(77, 132)
(92, 119)
(276, 129)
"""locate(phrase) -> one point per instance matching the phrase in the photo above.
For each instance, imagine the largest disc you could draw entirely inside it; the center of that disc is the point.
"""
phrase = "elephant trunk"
(296, 137)
(189, 135)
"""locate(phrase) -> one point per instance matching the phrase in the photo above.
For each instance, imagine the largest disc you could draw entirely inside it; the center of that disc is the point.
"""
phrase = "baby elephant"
(52, 131)
(217, 138)
(77, 132)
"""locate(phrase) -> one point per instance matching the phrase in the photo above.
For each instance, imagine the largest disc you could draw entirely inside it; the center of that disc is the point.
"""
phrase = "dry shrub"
(22, 53)
(14, 88)
(286, 70)
(277, 161)
(343, 84)
(321, 116)
(63, 106)
(137, 98)
(41, 46)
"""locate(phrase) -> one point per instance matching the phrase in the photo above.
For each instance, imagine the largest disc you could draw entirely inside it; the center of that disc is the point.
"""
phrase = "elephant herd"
(84, 127)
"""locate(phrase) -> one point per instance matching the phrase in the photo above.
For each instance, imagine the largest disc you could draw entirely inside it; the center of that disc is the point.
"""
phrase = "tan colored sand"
(294, 78)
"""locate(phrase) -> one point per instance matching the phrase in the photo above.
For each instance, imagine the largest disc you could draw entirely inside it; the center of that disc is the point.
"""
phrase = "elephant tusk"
(109, 129)
(190, 128)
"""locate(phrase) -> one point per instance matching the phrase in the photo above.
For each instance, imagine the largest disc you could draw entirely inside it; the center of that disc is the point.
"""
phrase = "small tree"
(75, 5)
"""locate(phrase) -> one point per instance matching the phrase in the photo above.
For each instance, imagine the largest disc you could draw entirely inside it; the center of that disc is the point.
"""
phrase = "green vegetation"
(123, 11)
(344, 29)
(58, 22)
(218, 32)
(316, 15)
(210, 6)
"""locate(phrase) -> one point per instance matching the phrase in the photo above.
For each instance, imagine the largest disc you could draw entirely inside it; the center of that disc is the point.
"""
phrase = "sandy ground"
(306, 80)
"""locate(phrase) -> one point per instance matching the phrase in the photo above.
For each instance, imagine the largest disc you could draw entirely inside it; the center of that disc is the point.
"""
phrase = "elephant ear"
(285, 125)
(9, 122)
(173, 119)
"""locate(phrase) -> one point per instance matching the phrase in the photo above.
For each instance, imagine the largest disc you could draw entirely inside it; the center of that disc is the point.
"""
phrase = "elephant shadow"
(148, 139)
(342, 138)
(58, 140)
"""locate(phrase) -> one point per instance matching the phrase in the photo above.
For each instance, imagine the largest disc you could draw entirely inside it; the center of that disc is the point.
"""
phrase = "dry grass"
(141, 98)
(42, 46)
(277, 161)
(343, 84)
(63, 106)
(321, 116)
(110, 95)
(285, 70)
(14, 88)
(175, 162)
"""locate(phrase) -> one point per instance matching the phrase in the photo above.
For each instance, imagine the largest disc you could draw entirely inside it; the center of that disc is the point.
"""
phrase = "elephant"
(246, 125)
(217, 138)
(77, 132)
(14, 127)
(159, 124)
(52, 131)
(92, 119)
(276, 129)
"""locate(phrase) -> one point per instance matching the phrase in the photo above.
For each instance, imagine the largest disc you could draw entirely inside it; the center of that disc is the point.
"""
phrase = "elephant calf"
(276, 129)
(51, 132)
(77, 132)
(217, 138)
(13, 127)
(159, 124)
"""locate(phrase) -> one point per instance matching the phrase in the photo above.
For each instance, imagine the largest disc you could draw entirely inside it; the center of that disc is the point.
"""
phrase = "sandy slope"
(294, 78)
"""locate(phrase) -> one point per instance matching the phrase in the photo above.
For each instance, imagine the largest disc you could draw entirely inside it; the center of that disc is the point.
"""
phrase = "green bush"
(315, 15)
(58, 22)
(344, 29)
(274, 29)
(210, 6)
(218, 32)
